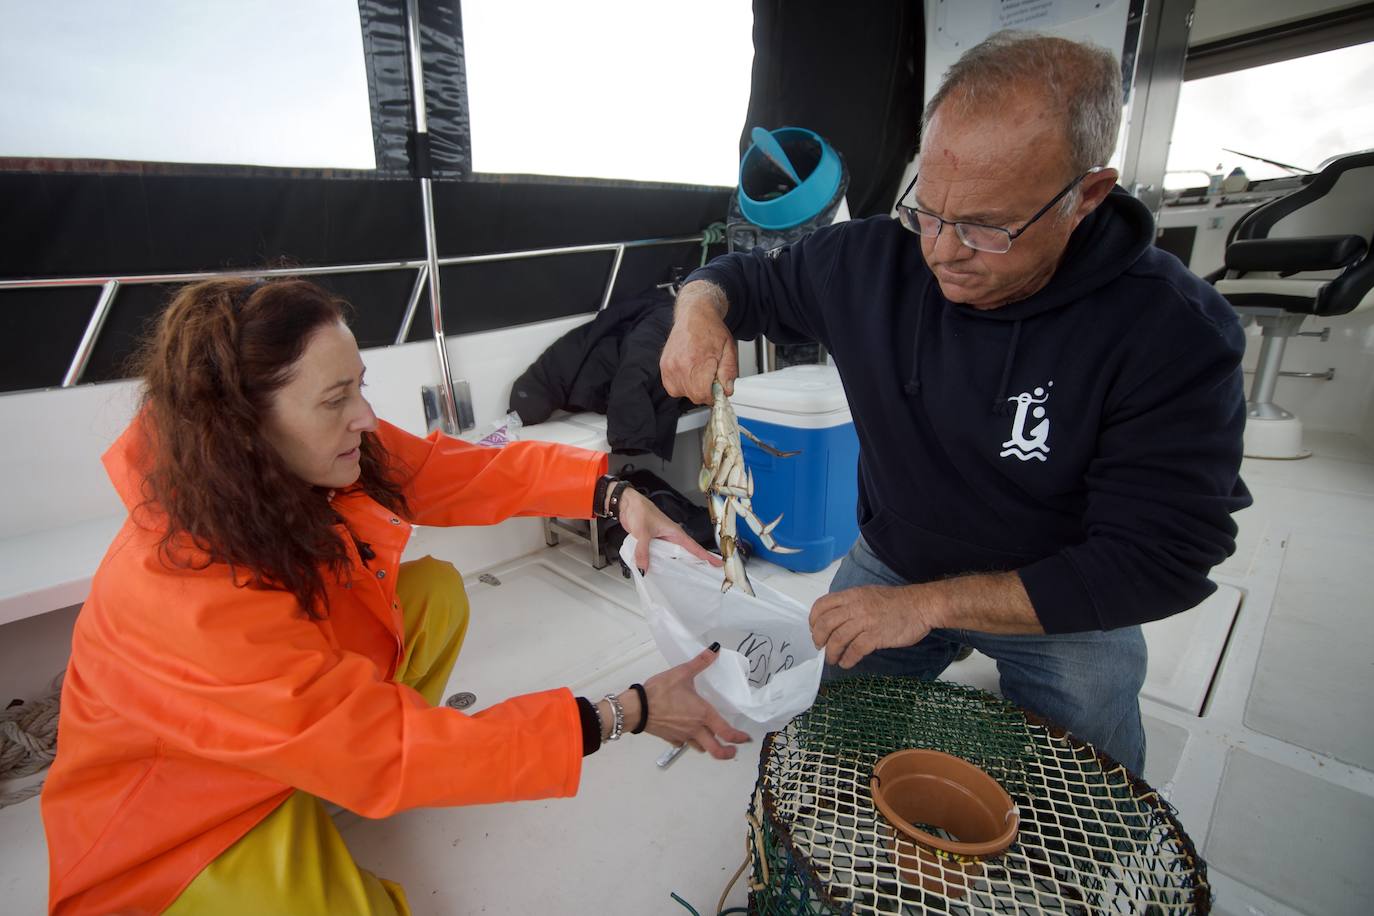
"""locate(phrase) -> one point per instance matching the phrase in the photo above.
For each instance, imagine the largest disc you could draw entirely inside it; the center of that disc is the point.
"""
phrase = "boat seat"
(1305, 254)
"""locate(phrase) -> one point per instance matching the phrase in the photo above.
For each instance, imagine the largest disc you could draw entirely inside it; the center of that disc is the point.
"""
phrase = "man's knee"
(1087, 683)
(1109, 664)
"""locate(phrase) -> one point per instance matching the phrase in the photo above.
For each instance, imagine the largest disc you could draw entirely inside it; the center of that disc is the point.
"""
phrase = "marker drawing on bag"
(762, 659)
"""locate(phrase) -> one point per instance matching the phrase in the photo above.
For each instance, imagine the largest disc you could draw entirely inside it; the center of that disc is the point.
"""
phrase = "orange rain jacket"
(192, 707)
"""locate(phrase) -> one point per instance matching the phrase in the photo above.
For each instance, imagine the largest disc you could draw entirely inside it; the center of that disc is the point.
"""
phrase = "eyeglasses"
(978, 236)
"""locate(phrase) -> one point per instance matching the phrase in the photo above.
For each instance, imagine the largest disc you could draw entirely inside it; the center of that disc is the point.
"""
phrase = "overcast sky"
(614, 88)
(1299, 112)
(253, 82)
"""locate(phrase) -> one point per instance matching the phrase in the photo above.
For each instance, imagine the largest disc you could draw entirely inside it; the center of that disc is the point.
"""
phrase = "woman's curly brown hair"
(218, 354)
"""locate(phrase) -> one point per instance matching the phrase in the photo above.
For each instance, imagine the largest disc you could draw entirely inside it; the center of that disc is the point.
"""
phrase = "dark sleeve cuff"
(1060, 596)
(591, 726)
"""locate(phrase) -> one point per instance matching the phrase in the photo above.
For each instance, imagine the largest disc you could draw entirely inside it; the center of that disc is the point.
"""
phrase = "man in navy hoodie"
(1049, 408)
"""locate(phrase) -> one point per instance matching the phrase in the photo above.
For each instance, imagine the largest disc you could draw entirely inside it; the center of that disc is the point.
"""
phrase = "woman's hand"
(645, 521)
(678, 714)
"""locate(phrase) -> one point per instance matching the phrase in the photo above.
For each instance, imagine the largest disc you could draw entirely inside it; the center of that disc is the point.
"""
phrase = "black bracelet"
(599, 496)
(613, 510)
(644, 707)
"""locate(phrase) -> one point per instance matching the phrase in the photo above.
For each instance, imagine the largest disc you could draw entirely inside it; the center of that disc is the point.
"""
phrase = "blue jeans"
(1088, 683)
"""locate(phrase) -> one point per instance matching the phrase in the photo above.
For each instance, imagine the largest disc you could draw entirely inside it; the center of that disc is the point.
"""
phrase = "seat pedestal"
(1271, 431)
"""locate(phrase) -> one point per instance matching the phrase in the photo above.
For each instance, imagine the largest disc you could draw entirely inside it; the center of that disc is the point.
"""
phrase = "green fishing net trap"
(1092, 837)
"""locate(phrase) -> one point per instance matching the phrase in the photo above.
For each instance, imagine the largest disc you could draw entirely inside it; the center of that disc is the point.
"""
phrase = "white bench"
(52, 569)
(60, 512)
(588, 430)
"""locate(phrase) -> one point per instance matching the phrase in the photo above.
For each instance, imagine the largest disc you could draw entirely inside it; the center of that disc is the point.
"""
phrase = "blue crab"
(729, 487)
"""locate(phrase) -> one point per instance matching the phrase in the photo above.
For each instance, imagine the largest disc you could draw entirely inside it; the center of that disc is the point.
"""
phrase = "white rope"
(28, 741)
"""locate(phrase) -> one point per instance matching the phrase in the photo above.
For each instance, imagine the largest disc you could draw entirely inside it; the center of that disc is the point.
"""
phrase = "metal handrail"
(144, 279)
(110, 285)
(366, 267)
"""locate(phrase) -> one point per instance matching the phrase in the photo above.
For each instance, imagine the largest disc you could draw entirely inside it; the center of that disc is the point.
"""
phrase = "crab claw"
(734, 567)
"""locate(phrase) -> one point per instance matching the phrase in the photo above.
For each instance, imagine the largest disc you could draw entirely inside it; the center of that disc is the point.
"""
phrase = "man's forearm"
(987, 603)
(701, 293)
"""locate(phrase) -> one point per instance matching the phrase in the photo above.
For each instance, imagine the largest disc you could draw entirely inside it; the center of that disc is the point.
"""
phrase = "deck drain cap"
(461, 700)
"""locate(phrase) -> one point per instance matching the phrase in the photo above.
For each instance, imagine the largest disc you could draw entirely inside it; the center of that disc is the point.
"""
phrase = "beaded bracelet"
(617, 726)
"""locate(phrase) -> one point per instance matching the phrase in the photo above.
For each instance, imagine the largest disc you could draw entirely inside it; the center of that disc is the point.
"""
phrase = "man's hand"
(852, 623)
(700, 347)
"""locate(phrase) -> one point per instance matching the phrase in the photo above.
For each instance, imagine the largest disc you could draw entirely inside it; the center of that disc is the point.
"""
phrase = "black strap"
(599, 496)
(644, 706)
(614, 509)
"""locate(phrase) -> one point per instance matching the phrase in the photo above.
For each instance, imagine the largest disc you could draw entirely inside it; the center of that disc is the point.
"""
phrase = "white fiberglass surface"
(648, 832)
(1185, 650)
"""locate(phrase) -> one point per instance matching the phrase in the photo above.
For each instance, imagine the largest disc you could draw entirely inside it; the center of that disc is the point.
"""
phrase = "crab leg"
(729, 485)
(772, 450)
(765, 532)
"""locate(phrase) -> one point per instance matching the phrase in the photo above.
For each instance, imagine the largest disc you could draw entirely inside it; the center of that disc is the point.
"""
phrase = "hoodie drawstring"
(1001, 405)
(913, 384)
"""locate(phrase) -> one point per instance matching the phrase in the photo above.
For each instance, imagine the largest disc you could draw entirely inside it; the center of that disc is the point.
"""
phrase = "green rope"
(691, 909)
(713, 234)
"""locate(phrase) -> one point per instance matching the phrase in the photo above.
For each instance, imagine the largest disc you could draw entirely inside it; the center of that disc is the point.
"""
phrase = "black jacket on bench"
(609, 366)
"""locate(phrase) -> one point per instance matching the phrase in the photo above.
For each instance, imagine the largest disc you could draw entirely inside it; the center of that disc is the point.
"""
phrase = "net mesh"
(1093, 838)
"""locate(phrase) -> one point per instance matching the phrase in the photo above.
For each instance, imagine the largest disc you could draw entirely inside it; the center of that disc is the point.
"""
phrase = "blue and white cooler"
(801, 408)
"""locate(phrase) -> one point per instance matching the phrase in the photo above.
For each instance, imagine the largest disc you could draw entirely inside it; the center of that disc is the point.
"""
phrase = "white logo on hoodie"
(1034, 443)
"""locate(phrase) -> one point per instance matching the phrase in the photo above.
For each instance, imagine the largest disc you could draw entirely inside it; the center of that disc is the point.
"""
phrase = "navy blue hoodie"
(1088, 436)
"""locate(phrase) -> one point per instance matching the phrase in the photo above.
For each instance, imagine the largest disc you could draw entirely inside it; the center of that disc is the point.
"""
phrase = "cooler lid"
(801, 390)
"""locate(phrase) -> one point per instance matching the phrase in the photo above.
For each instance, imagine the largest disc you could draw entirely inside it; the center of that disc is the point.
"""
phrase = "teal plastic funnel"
(787, 176)
(774, 153)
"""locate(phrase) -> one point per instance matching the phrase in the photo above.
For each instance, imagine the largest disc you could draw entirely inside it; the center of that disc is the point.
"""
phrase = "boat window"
(1297, 112)
(242, 82)
(616, 89)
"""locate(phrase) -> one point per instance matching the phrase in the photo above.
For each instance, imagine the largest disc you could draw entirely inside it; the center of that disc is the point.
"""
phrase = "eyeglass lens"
(982, 238)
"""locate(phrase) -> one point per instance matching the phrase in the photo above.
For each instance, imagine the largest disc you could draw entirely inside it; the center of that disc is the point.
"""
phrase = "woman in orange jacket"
(252, 642)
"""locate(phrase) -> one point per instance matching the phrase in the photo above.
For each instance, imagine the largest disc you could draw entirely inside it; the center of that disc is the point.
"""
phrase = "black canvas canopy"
(91, 218)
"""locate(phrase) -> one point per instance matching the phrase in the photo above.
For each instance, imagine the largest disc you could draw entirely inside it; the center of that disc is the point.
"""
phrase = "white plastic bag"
(768, 670)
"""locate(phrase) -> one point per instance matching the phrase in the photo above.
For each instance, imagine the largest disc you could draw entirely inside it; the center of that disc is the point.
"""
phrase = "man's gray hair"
(1081, 82)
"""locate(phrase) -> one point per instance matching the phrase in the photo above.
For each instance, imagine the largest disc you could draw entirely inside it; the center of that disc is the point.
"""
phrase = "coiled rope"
(28, 741)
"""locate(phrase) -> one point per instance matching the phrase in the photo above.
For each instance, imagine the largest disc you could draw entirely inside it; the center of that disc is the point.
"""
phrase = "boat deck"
(1256, 707)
